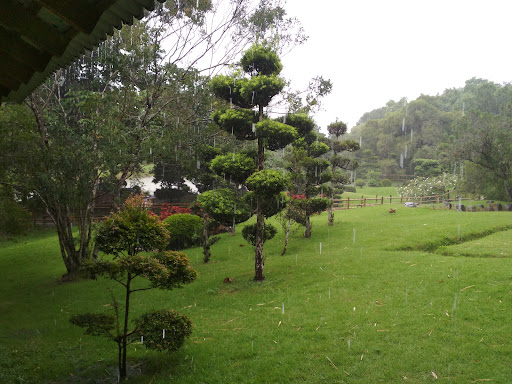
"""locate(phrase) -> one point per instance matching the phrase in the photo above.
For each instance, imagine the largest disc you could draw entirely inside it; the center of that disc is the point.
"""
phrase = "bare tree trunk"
(122, 368)
(258, 256)
(287, 237)
(330, 220)
(307, 230)
(260, 218)
(206, 240)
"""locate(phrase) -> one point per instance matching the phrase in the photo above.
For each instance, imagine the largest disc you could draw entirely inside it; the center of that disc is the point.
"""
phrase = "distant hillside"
(406, 138)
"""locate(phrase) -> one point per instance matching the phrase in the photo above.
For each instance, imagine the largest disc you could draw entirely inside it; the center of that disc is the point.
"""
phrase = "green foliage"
(274, 134)
(151, 324)
(184, 230)
(236, 167)
(261, 60)
(236, 121)
(261, 89)
(427, 167)
(95, 324)
(386, 183)
(224, 206)
(300, 121)
(14, 219)
(266, 183)
(134, 229)
(337, 129)
(249, 233)
(360, 183)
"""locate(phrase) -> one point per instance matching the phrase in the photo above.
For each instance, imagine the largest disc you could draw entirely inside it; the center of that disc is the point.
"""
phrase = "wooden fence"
(350, 203)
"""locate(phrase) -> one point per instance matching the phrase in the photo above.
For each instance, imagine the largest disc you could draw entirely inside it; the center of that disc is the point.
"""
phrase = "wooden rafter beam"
(11, 45)
(19, 19)
(82, 15)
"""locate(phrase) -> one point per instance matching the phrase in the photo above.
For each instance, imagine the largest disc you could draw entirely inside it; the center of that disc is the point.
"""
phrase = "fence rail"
(350, 203)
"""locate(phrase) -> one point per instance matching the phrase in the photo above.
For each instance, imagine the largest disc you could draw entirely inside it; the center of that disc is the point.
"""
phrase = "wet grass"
(361, 301)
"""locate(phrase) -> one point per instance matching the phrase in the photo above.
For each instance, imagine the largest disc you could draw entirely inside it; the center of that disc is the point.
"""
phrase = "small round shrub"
(386, 183)
(185, 230)
(249, 233)
(360, 183)
(151, 326)
(349, 188)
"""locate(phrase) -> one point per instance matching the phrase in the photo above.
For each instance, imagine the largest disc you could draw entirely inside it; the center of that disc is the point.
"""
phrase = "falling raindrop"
(329, 293)
(252, 100)
(198, 164)
(411, 135)
(282, 310)
(354, 236)
(401, 160)
(163, 333)
(320, 248)
(403, 124)
(253, 128)
(284, 119)
(360, 141)
(406, 296)
(458, 232)
(348, 343)
(142, 339)
(405, 154)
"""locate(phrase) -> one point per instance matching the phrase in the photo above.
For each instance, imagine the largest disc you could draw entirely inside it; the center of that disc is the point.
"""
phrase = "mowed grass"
(367, 300)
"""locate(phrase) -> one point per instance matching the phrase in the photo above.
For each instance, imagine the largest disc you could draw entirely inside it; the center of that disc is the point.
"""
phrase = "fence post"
(390, 199)
(362, 199)
(382, 200)
(348, 202)
(364, 202)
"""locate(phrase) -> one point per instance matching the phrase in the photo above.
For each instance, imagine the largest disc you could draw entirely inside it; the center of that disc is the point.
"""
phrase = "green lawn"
(378, 297)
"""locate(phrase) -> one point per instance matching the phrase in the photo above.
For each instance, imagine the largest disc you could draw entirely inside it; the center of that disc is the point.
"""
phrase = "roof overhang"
(37, 37)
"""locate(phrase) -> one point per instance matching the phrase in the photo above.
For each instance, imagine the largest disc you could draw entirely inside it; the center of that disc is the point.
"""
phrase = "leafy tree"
(221, 205)
(485, 141)
(128, 236)
(306, 174)
(184, 230)
(254, 85)
(338, 162)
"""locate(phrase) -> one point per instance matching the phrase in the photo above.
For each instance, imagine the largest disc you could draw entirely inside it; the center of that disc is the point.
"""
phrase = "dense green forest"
(463, 130)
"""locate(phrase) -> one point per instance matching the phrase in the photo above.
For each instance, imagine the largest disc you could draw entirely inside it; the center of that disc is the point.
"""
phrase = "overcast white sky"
(375, 51)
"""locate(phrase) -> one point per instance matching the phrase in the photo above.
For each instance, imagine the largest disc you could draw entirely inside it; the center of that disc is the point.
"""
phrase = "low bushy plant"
(184, 230)
(249, 233)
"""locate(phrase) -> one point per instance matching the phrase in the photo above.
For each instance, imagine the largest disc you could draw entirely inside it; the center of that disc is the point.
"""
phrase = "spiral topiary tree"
(247, 92)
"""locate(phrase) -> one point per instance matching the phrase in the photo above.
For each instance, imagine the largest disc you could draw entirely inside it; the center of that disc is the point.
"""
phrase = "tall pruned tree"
(246, 92)
(339, 162)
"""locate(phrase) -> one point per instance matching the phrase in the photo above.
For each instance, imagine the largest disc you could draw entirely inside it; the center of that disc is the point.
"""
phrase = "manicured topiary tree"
(306, 174)
(338, 162)
(247, 92)
(125, 236)
(223, 206)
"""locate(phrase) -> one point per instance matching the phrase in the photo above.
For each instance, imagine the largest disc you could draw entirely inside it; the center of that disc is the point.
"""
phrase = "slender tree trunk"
(287, 237)
(307, 230)
(260, 231)
(122, 368)
(260, 218)
(206, 240)
(330, 220)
